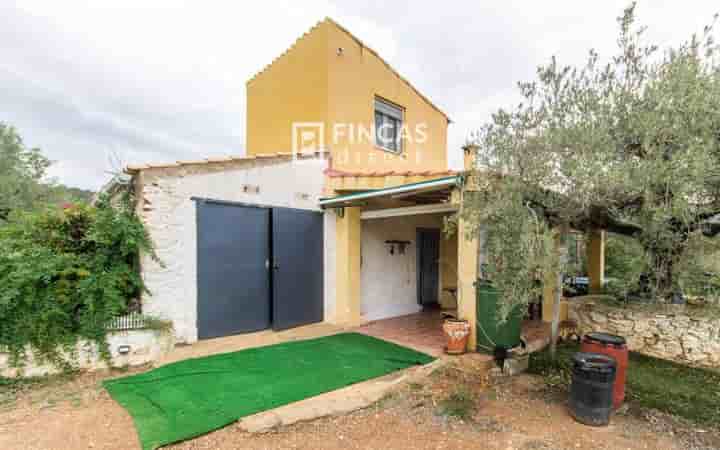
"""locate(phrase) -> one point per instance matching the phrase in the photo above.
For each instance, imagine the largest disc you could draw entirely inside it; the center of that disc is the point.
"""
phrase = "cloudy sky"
(159, 80)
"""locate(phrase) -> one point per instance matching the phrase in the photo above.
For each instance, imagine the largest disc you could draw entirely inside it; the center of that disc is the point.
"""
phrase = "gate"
(297, 279)
(233, 279)
(237, 245)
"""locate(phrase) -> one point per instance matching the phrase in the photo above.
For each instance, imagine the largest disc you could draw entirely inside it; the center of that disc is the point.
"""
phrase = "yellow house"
(331, 92)
(332, 89)
(335, 214)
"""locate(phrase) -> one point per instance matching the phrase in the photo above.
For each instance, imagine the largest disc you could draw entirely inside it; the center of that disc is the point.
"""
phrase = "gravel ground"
(518, 413)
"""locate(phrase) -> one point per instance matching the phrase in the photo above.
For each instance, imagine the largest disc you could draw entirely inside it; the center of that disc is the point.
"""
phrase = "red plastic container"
(615, 346)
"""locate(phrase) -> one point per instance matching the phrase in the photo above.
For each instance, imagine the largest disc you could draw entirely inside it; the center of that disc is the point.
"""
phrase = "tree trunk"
(661, 278)
(562, 256)
(555, 327)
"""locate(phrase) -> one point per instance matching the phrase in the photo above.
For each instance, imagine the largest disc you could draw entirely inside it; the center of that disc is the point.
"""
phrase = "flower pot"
(456, 332)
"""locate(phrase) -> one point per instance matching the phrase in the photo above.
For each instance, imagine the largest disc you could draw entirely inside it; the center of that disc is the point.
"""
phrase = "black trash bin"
(591, 392)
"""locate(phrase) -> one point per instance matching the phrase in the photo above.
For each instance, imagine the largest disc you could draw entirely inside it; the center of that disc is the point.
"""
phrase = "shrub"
(65, 273)
(459, 403)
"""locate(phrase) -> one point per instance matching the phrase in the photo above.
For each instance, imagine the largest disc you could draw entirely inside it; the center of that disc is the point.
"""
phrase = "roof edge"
(330, 21)
(389, 67)
(135, 168)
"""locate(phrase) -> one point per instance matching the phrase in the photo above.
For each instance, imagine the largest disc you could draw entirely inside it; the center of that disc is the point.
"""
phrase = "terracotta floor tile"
(423, 331)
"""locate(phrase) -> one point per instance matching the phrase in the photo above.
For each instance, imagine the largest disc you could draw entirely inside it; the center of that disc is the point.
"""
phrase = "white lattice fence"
(132, 321)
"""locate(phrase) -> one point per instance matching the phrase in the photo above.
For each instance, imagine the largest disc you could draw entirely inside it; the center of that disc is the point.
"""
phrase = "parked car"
(575, 286)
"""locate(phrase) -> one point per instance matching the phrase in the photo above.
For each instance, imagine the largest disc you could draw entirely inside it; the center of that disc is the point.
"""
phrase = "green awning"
(422, 186)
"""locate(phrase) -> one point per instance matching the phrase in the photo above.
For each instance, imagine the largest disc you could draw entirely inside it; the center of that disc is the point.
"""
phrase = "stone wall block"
(680, 335)
(598, 318)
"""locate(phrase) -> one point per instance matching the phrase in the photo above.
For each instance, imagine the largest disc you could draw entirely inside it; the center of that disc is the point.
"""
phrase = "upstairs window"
(388, 126)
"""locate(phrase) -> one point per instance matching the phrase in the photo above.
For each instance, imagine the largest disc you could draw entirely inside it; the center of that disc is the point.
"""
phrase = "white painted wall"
(388, 283)
(169, 214)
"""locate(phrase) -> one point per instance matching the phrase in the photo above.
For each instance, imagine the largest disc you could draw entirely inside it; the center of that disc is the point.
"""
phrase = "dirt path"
(514, 416)
(69, 415)
(519, 414)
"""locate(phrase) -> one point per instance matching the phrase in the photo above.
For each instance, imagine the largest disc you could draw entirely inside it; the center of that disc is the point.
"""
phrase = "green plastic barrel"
(490, 332)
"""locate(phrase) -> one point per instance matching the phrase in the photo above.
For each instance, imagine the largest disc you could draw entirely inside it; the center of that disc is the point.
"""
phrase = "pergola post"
(347, 267)
(548, 297)
(595, 252)
(468, 251)
(467, 279)
(467, 269)
(552, 282)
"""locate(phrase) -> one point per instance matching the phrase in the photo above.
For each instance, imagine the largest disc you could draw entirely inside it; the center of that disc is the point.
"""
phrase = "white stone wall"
(388, 283)
(683, 334)
(145, 346)
(169, 214)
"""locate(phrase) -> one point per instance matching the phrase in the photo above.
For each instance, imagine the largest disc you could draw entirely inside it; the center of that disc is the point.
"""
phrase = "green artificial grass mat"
(192, 397)
(688, 392)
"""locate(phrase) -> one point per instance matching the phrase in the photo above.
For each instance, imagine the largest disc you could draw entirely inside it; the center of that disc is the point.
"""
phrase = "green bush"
(459, 403)
(624, 264)
(697, 270)
(65, 273)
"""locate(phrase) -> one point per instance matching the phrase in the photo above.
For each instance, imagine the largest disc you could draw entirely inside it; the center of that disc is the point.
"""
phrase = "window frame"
(393, 112)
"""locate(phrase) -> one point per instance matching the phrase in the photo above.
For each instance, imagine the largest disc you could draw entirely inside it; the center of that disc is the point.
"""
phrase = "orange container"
(614, 346)
(456, 332)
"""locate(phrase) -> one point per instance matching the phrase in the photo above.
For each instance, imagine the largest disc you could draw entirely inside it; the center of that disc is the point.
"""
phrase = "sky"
(101, 83)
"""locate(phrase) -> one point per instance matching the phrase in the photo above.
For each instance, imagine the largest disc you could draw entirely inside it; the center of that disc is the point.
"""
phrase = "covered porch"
(393, 259)
(396, 271)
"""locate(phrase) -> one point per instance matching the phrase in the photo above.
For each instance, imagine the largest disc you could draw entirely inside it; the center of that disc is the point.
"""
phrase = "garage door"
(233, 279)
(237, 244)
(298, 261)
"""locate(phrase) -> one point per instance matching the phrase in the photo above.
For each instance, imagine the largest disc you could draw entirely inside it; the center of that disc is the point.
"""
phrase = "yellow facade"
(347, 266)
(356, 77)
(293, 88)
(330, 77)
(367, 182)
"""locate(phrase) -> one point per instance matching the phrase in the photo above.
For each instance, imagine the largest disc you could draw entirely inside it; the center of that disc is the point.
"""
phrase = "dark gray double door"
(257, 268)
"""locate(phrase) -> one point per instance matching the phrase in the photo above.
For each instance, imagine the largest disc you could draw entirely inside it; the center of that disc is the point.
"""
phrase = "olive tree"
(21, 172)
(630, 145)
